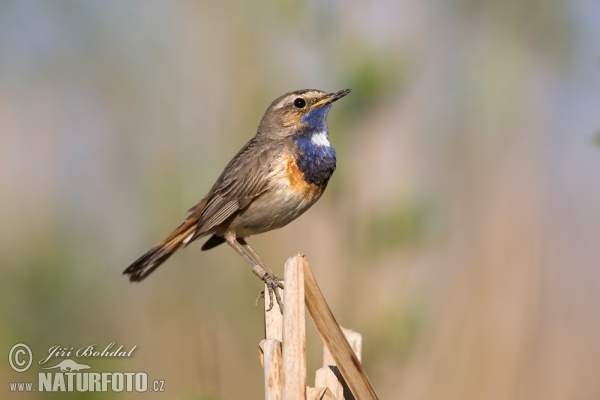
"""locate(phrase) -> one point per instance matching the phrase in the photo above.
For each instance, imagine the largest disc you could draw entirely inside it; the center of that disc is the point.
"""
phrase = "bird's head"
(297, 111)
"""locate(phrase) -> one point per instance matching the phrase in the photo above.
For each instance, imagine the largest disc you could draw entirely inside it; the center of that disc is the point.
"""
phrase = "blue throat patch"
(316, 163)
(316, 119)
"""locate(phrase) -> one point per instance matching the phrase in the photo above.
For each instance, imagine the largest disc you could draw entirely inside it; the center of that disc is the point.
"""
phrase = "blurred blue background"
(460, 234)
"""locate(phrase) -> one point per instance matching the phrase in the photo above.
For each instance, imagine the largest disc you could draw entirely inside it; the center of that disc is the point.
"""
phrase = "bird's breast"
(298, 178)
(315, 158)
(296, 182)
(288, 197)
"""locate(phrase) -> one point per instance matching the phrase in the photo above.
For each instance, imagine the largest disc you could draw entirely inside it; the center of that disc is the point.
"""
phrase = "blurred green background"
(460, 234)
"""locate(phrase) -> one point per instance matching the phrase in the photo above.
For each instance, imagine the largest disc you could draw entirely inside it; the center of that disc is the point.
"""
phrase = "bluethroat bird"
(271, 181)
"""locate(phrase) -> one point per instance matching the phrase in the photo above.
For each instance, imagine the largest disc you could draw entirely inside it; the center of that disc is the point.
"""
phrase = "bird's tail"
(143, 266)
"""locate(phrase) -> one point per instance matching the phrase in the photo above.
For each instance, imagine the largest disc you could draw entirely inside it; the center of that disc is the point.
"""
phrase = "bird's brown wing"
(246, 176)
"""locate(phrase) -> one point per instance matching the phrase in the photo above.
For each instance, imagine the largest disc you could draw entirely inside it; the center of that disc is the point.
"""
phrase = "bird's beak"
(331, 97)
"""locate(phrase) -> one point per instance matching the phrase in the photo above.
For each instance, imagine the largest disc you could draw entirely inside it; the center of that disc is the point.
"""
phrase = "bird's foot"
(273, 285)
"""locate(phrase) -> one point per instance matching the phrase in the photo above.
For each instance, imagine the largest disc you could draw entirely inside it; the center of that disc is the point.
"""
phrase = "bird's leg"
(265, 274)
(275, 281)
(255, 255)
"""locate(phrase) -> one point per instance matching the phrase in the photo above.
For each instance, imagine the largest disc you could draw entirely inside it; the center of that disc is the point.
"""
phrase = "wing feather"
(246, 176)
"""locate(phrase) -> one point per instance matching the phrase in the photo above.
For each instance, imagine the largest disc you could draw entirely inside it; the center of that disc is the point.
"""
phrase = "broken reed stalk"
(293, 385)
(285, 377)
(334, 339)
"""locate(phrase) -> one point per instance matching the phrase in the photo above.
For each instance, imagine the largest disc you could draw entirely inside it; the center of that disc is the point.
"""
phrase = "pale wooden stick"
(319, 393)
(273, 319)
(354, 339)
(294, 339)
(334, 339)
(271, 358)
(325, 377)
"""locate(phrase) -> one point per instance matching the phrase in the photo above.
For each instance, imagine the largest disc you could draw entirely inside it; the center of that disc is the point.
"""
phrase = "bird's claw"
(273, 284)
(261, 295)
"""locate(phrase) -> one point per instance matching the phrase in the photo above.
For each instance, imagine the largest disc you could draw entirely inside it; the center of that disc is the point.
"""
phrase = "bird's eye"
(299, 102)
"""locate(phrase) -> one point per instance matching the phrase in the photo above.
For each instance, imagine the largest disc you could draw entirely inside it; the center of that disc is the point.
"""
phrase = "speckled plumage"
(273, 179)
